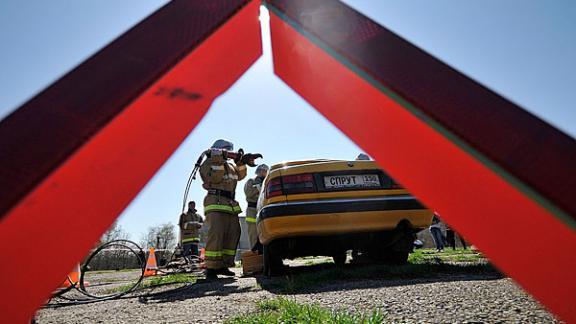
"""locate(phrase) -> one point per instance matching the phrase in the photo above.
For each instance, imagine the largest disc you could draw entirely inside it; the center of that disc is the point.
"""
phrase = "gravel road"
(442, 299)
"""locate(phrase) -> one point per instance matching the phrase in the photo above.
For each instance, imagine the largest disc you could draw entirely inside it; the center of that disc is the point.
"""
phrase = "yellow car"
(327, 207)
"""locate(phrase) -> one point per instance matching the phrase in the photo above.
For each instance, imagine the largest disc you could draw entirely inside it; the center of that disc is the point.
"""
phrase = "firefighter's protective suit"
(190, 224)
(252, 190)
(220, 177)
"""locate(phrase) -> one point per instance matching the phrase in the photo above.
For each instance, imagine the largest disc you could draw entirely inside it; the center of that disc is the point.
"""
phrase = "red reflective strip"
(487, 210)
(297, 178)
(494, 127)
(84, 195)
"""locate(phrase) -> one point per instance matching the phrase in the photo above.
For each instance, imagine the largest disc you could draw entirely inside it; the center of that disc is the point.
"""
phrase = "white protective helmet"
(223, 144)
(262, 167)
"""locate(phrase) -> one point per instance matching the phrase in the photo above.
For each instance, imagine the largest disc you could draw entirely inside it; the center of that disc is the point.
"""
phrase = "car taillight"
(274, 188)
(300, 183)
(293, 184)
(395, 185)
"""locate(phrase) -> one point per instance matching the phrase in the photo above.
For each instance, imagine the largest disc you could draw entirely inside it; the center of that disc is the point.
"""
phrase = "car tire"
(339, 259)
(273, 265)
(397, 253)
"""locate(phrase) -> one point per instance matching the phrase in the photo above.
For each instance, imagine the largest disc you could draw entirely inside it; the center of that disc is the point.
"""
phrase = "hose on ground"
(82, 284)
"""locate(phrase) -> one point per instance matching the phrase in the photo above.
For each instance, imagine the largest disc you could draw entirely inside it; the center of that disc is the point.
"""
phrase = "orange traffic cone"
(73, 277)
(151, 266)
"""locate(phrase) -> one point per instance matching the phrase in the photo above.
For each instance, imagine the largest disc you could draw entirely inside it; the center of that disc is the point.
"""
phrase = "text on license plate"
(352, 181)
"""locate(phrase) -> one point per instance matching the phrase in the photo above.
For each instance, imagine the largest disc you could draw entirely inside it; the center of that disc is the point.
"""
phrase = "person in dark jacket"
(451, 238)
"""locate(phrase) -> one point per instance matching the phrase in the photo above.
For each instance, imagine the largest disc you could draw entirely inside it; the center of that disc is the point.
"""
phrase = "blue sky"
(523, 49)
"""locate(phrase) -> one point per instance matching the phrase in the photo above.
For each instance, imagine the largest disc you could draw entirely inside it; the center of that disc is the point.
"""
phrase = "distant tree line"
(162, 237)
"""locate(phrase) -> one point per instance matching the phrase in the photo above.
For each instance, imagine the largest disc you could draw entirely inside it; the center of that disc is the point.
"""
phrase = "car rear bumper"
(340, 216)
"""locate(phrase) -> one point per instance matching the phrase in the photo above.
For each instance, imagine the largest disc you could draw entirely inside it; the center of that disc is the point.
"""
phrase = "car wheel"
(273, 265)
(397, 253)
(339, 259)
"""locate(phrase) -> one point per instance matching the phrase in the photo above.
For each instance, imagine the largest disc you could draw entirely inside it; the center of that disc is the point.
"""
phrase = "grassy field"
(160, 280)
(283, 310)
(447, 256)
(112, 271)
(421, 256)
(170, 279)
(314, 261)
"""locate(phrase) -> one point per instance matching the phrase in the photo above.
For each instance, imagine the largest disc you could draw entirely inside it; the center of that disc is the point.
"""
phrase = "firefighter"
(189, 223)
(220, 176)
(252, 191)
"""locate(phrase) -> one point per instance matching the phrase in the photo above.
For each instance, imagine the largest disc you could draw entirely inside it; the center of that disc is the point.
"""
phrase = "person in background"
(450, 237)
(189, 223)
(436, 231)
(252, 191)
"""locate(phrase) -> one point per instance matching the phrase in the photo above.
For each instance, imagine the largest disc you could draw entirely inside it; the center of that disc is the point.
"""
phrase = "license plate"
(352, 181)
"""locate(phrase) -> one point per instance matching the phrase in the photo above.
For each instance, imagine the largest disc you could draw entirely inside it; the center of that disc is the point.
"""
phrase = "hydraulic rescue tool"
(238, 157)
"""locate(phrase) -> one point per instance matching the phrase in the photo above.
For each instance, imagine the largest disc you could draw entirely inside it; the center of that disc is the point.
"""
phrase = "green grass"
(112, 271)
(305, 258)
(316, 260)
(157, 281)
(418, 256)
(169, 279)
(448, 255)
(283, 310)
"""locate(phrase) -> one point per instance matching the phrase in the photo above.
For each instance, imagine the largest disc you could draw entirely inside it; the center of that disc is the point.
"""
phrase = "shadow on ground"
(316, 278)
(220, 287)
(329, 277)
